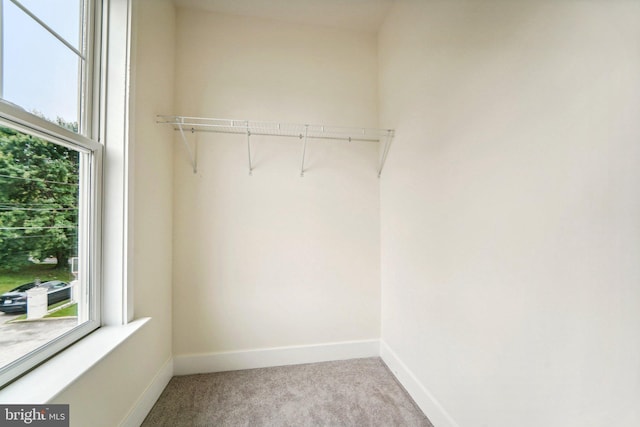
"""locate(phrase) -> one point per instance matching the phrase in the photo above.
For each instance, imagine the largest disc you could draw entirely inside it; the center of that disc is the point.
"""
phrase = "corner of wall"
(148, 398)
(436, 413)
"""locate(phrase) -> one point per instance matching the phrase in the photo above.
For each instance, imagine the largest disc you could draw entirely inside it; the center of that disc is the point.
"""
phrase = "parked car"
(15, 301)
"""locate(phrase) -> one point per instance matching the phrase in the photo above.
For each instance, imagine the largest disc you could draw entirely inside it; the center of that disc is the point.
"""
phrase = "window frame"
(88, 143)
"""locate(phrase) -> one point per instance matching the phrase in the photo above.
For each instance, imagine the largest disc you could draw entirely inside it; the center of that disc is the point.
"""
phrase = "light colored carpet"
(359, 392)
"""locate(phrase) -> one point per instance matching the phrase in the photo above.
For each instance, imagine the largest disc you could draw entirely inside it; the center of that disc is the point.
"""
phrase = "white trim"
(148, 398)
(26, 122)
(436, 413)
(49, 379)
(278, 356)
(116, 292)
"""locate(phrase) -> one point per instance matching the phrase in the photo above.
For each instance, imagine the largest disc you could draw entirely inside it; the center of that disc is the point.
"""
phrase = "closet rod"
(304, 132)
(298, 136)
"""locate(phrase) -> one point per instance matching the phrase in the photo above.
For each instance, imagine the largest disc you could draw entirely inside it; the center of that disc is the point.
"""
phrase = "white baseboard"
(294, 355)
(438, 416)
(278, 356)
(145, 402)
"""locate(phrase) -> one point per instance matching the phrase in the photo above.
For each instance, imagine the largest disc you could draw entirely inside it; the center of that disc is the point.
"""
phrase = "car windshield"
(53, 285)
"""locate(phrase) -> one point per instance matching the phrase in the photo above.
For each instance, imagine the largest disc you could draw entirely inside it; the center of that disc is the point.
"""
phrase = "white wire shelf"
(303, 132)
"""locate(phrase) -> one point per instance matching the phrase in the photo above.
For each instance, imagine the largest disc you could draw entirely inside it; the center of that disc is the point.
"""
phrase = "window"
(50, 187)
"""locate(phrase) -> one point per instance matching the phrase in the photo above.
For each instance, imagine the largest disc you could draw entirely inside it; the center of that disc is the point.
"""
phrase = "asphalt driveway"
(18, 339)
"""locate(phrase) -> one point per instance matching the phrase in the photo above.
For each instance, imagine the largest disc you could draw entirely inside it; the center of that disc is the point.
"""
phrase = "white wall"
(509, 208)
(105, 395)
(274, 259)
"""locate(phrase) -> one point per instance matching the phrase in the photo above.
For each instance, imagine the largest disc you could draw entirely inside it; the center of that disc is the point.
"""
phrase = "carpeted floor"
(360, 392)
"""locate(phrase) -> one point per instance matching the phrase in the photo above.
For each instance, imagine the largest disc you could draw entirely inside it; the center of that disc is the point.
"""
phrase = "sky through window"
(40, 73)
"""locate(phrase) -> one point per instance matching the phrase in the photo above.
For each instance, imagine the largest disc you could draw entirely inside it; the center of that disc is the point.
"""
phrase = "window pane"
(63, 16)
(40, 74)
(40, 242)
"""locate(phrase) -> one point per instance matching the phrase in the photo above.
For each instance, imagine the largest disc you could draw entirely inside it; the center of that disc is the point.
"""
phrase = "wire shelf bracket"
(193, 154)
(385, 151)
(249, 148)
(304, 149)
(303, 132)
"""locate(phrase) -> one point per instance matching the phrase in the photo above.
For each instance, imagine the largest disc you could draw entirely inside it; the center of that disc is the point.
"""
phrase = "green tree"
(38, 199)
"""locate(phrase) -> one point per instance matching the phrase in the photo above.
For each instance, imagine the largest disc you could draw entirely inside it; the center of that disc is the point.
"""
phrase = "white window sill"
(49, 379)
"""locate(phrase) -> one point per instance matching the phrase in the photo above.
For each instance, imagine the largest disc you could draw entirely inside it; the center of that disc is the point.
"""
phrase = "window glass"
(63, 16)
(39, 73)
(40, 208)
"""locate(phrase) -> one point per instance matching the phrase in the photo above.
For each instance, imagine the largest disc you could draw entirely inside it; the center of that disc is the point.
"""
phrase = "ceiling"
(364, 15)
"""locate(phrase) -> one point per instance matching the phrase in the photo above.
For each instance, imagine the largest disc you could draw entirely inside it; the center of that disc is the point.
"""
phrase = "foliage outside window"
(38, 201)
